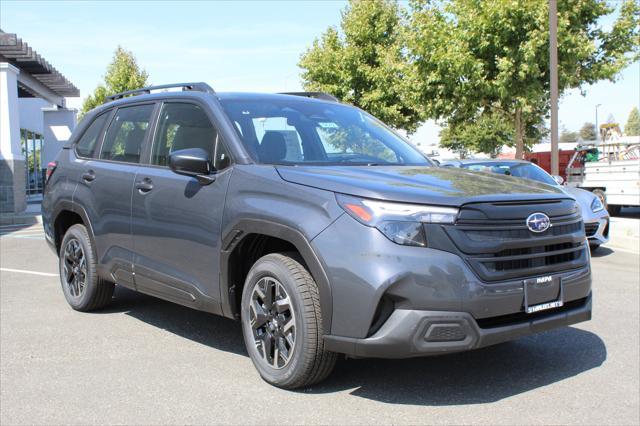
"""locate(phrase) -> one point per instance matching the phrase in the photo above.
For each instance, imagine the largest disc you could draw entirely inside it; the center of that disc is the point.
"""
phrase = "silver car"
(594, 215)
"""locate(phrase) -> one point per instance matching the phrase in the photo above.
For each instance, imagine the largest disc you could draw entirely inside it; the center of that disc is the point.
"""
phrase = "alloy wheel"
(272, 320)
(74, 268)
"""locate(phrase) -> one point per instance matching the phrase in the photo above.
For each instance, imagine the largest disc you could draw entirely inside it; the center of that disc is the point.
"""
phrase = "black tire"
(594, 247)
(308, 361)
(84, 290)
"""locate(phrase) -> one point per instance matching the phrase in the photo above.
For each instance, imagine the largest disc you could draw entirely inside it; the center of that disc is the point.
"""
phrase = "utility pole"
(597, 128)
(553, 56)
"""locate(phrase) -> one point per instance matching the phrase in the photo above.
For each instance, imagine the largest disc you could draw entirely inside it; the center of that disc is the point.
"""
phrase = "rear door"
(176, 221)
(105, 187)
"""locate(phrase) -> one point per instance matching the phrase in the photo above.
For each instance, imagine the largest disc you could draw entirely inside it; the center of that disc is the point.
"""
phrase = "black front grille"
(590, 229)
(504, 249)
(551, 255)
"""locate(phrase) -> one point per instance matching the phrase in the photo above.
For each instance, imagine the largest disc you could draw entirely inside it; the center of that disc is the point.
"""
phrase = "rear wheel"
(81, 286)
(282, 323)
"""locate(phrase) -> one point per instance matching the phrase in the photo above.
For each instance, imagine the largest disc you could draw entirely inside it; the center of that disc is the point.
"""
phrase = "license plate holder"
(543, 293)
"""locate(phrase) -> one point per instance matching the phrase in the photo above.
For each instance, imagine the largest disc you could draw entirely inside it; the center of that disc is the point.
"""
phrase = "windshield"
(299, 131)
(521, 170)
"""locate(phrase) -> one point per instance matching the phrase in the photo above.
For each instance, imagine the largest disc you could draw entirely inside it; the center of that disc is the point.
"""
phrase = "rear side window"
(87, 143)
(126, 133)
(184, 126)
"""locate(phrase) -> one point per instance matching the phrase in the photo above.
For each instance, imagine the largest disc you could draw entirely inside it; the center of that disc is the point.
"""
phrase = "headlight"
(401, 223)
(596, 205)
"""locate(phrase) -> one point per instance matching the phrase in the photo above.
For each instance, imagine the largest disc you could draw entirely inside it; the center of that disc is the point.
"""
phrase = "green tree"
(474, 56)
(365, 63)
(588, 132)
(566, 136)
(123, 73)
(487, 133)
(632, 128)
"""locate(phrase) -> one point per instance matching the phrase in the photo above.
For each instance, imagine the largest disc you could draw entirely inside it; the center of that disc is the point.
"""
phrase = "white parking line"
(22, 271)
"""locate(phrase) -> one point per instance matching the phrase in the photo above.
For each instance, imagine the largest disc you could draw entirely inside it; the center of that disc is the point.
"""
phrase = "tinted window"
(184, 126)
(87, 143)
(123, 141)
(299, 131)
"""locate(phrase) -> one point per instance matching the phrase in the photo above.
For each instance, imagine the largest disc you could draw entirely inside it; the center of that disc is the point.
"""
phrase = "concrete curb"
(20, 219)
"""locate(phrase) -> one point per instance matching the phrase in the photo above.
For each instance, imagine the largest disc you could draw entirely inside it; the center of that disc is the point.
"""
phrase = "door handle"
(144, 185)
(88, 176)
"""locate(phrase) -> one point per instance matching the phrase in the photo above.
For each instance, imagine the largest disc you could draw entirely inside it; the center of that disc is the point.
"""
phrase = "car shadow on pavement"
(481, 376)
(601, 252)
(476, 377)
(212, 330)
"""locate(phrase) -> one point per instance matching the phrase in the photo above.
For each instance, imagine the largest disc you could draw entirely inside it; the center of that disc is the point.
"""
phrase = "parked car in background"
(594, 213)
(316, 226)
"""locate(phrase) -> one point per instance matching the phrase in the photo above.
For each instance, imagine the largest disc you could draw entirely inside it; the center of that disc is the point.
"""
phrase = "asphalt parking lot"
(145, 361)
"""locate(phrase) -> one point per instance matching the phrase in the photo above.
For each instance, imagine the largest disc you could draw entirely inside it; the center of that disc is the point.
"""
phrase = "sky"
(233, 46)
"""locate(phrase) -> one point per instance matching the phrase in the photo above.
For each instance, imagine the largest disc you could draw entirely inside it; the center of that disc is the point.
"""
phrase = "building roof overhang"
(46, 81)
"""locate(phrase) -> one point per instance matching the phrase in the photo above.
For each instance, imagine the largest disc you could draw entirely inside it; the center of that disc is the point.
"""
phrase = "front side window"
(299, 131)
(87, 143)
(184, 126)
(126, 133)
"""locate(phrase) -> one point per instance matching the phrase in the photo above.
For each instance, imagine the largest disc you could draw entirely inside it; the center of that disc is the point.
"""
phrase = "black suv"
(319, 228)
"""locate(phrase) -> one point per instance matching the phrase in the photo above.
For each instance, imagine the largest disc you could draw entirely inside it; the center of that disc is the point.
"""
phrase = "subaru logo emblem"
(538, 222)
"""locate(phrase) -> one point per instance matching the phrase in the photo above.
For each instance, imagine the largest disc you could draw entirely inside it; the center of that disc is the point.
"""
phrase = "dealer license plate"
(543, 293)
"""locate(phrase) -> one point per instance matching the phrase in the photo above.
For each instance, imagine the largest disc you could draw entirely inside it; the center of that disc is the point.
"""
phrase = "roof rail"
(315, 95)
(199, 87)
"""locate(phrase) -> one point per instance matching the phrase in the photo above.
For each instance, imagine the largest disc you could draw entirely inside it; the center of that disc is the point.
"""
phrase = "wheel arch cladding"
(249, 239)
(68, 214)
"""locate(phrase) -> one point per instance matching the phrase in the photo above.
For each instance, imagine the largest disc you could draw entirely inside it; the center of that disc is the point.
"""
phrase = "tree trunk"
(519, 134)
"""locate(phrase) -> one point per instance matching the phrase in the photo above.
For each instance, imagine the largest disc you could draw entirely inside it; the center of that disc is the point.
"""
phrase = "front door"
(176, 221)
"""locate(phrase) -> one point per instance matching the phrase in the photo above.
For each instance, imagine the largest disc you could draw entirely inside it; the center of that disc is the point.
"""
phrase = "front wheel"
(282, 323)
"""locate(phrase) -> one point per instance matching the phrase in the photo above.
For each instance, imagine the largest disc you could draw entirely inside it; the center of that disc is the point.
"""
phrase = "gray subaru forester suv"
(319, 228)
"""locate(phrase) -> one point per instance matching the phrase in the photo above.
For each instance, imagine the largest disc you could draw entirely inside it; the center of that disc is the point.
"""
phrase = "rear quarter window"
(87, 143)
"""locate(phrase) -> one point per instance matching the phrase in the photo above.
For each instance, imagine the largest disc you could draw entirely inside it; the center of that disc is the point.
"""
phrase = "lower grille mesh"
(590, 229)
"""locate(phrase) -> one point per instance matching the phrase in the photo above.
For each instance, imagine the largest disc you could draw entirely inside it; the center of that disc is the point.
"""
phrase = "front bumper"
(386, 296)
(597, 230)
(411, 333)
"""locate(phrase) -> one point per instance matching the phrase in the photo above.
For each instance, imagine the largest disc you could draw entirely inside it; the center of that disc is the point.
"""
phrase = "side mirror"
(194, 162)
(559, 179)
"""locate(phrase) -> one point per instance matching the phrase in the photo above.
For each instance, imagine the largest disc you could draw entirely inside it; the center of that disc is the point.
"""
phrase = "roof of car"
(240, 96)
(253, 96)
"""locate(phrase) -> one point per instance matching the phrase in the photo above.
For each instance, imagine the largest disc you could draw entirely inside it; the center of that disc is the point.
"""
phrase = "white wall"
(58, 124)
(31, 113)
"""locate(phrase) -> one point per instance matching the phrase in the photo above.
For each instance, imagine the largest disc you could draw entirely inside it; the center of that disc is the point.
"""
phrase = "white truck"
(609, 170)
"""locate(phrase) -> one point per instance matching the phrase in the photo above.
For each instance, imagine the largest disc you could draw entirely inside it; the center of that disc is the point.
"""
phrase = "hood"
(425, 185)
